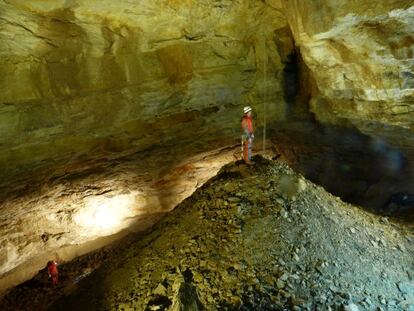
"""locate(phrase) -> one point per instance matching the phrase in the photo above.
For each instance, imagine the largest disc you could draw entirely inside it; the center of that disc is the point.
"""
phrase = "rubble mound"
(257, 237)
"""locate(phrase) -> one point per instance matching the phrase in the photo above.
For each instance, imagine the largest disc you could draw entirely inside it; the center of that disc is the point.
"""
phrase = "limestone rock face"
(83, 82)
(357, 81)
(88, 80)
(361, 55)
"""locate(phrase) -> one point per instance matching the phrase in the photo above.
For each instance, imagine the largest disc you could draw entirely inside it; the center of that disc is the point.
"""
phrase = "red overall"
(52, 271)
(247, 128)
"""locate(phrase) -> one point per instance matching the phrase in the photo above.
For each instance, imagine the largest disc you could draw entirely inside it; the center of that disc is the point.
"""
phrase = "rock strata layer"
(361, 56)
(83, 81)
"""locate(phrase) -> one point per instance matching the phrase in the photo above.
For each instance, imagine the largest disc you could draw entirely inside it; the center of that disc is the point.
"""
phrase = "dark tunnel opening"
(291, 75)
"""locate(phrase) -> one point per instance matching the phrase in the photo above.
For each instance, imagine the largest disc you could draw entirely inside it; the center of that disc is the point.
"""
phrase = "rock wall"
(160, 84)
(85, 80)
(357, 83)
(361, 55)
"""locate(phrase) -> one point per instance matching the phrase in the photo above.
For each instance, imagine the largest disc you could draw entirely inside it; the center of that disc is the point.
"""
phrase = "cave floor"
(252, 238)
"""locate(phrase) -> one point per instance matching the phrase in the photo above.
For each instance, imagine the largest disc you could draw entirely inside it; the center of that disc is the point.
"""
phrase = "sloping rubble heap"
(258, 238)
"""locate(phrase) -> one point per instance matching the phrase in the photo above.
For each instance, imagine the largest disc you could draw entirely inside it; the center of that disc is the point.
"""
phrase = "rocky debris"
(407, 288)
(37, 294)
(242, 243)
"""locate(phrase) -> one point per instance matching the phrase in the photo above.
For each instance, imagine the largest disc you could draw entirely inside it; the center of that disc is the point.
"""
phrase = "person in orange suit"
(248, 134)
(52, 271)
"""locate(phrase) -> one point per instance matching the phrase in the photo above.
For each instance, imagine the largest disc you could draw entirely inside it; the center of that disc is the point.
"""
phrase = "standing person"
(248, 135)
(52, 271)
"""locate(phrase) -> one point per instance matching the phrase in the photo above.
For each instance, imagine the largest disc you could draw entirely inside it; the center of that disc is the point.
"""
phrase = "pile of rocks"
(258, 238)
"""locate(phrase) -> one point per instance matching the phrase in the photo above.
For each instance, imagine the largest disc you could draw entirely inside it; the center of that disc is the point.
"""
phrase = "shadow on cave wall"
(358, 168)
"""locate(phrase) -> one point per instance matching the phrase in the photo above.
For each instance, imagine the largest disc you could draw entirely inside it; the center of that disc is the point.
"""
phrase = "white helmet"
(247, 109)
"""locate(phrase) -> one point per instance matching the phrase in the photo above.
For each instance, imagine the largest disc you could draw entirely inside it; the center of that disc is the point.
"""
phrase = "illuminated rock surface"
(86, 82)
(77, 214)
(253, 238)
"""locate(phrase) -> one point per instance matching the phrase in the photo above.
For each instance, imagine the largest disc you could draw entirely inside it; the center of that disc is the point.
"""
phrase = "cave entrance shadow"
(373, 172)
(360, 169)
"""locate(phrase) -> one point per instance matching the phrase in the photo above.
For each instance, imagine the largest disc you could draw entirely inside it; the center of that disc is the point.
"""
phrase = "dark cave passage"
(361, 169)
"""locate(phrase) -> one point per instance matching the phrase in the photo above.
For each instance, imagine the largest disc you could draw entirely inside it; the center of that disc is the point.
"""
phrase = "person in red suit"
(52, 271)
(248, 135)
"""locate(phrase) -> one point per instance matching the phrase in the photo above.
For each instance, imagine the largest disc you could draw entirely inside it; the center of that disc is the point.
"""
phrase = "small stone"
(406, 287)
(233, 199)
(410, 275)
(230, 187)
(301, 184)
(401, 247)
(384, 219)
(383, 242)
(295, 276)
(198, 278)
(351, 307)
(279, 201)
(160, 290)
(285, 294)
(280, 284)
(284, 277)
(334, 289)
(374, 244)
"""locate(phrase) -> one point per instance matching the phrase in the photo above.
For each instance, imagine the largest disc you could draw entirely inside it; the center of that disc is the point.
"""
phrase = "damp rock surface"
(360, 55)
(255, 238)
(87, 81)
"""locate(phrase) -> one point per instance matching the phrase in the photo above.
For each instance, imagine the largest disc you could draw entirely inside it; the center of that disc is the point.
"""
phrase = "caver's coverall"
(52, 271)
(247, 128)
